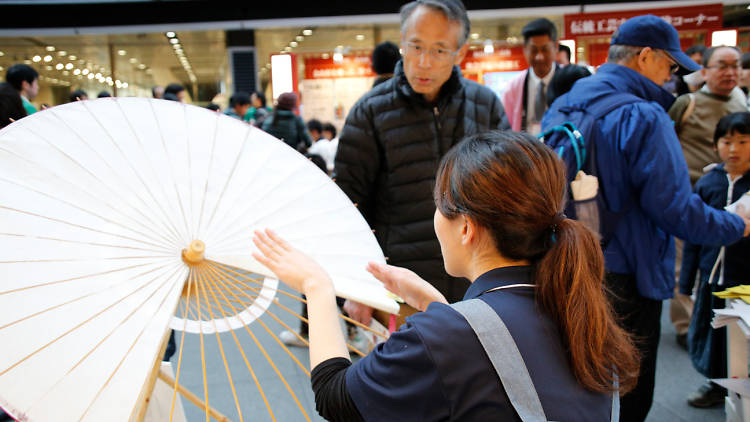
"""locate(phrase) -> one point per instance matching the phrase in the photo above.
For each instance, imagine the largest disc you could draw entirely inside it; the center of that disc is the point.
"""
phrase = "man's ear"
(642, 57)
(461, 54)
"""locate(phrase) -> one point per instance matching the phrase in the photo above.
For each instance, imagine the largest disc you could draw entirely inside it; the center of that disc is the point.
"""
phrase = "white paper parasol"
(98, 200)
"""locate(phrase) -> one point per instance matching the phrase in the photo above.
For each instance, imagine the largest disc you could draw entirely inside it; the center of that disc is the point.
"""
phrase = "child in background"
(719, 267)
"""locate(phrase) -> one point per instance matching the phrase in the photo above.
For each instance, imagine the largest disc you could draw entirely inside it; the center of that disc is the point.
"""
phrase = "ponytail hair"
(514, 186)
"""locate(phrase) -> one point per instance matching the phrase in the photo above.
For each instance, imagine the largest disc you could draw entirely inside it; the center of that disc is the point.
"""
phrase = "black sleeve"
(332, 401)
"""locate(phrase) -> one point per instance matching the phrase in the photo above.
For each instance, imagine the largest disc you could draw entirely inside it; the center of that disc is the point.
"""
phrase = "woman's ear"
(469, 230)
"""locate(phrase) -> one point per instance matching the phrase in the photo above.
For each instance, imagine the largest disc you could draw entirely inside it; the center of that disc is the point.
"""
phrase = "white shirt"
(326, 149)
(533, 127)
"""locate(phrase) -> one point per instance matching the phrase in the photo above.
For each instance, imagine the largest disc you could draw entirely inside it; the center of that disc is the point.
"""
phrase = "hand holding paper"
(741, 207)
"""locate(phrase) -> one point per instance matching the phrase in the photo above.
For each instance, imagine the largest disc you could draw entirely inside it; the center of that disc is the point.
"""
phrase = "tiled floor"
(675, 376)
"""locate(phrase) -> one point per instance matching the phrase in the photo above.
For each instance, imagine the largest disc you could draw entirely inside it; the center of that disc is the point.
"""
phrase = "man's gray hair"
(619, 53)
(454, 10)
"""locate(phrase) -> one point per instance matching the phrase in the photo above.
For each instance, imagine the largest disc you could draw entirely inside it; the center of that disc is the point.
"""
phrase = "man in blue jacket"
(644, 178)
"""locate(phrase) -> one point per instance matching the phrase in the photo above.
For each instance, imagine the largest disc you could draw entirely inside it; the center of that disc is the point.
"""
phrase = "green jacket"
(30, 109)
(288, 127)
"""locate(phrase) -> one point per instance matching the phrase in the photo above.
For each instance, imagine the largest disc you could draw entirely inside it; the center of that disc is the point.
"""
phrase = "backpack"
(575, 145)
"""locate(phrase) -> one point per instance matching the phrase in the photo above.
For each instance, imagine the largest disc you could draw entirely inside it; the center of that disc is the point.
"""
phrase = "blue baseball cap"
(653, 31)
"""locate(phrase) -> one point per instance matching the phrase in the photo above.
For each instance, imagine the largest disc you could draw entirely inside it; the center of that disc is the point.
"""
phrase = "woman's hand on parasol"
(296, 269)
(406, 284)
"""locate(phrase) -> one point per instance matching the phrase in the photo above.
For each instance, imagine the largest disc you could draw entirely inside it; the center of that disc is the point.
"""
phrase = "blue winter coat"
(643, 175)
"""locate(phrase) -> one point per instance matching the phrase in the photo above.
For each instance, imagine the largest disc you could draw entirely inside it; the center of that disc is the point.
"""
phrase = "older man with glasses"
(395, 136)
(644, 181)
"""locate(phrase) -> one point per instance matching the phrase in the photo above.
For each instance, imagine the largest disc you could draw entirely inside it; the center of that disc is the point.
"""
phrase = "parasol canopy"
(107, 205)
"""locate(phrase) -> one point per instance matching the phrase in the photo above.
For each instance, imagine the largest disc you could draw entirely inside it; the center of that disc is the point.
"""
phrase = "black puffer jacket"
(387, 157)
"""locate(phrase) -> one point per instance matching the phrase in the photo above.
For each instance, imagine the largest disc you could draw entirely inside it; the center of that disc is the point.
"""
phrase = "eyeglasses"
(673, 66)
(438, 54)
(723, 67)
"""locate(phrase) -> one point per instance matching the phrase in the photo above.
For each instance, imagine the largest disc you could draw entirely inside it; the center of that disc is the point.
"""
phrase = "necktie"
(540, 101)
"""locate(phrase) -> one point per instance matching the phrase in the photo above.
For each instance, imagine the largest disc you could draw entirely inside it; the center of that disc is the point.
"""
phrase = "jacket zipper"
(436, 113)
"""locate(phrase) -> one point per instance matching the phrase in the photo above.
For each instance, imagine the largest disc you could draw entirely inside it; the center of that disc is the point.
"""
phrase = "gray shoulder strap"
(508, 363)
(505, 357)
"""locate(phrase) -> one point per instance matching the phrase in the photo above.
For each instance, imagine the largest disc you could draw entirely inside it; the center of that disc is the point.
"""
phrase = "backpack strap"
(505, 357)
(688, 110)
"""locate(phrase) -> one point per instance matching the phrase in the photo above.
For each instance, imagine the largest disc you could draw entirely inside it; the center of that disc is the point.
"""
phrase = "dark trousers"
(641, 317)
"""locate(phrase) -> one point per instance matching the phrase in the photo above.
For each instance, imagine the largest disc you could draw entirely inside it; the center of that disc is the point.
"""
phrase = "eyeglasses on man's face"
(673, 66)
(439, 54)
(723, 66)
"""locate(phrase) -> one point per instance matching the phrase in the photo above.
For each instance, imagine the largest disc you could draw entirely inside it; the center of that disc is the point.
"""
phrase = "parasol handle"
(193, 254)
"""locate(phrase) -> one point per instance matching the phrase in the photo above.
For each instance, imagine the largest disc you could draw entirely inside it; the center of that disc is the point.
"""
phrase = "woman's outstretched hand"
(408, 285)
(294, 268)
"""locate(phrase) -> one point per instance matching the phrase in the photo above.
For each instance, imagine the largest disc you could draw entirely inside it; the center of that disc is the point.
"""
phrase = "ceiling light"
(141, 66)
(48, 67)
(174, 40)
(475, 36)
(66, 73)
(326, 56)
(1, 54)
(109, 79)
(293, 44)
(98, 75)
(36, 59)
(489, 48)
(124, 84)
(359, 37)
(122, 52)
(133, 60)
(47, 58)
(59, 66)
(176, 46)
(299, 38)
(85, 71)
(91, 76)
(307, 32)
(69, 66)
(77, 72)
(50, 48)
(110, 83)
(72, 57)
(179, 51)
(171, 34)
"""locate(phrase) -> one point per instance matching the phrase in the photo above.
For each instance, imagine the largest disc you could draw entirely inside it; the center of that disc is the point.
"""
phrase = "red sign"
(501, 60)
(707, 16)
(350, 67)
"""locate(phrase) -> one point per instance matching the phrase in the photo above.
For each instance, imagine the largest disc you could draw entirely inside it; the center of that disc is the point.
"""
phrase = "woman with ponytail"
(499, 199)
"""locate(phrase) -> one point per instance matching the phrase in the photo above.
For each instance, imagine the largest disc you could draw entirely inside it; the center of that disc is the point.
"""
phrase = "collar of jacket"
(449, 88)
(635, 83)
(719, 168)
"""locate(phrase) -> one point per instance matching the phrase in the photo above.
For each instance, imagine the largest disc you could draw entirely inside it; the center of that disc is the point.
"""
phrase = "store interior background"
(129, 62)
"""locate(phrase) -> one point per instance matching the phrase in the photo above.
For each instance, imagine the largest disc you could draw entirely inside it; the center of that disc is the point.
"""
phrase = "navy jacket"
(713, 188)
(435, 369)
(643, 174)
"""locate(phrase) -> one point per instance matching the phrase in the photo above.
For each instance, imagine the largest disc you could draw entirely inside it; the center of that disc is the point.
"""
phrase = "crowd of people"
(470, 208)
